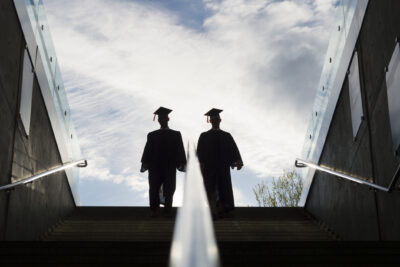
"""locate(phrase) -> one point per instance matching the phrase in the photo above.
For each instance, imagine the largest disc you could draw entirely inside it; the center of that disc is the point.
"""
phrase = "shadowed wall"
(354, 211)
(27, 211)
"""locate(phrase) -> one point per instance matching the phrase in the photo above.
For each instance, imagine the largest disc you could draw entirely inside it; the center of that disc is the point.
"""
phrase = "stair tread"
(134, 224)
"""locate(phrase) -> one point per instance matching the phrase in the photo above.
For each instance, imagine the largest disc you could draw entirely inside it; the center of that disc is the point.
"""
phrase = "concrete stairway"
(134, 224)
(113, 224)
(251, 237)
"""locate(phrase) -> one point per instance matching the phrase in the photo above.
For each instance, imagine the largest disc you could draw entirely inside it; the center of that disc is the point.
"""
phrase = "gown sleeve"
(181, 151)
(201, 148)
(235, 151)
(146, 157)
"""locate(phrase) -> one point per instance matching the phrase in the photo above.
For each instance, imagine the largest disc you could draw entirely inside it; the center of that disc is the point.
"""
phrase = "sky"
(259, 61)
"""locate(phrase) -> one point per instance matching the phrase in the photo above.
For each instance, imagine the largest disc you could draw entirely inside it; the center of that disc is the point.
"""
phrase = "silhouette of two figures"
(164, 153)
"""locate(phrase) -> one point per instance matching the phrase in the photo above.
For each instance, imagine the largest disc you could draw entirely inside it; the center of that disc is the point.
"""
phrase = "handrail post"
(299, 165)
(82, 164)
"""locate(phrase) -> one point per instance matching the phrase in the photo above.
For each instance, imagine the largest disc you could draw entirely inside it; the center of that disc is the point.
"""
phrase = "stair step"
(249, 237)
(232, 253)
(134, 224)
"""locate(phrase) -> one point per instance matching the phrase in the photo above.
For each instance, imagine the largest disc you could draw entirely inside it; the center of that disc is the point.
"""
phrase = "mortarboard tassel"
(208, 119)
(154, 118)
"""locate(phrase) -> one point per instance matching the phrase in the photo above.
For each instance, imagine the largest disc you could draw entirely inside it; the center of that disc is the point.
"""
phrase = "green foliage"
(282, 192)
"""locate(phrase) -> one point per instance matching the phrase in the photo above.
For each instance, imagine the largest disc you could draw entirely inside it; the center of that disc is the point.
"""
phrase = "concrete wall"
(27, 211)
(354, 211)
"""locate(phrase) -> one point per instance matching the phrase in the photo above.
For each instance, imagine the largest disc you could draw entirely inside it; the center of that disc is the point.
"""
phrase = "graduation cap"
(161, 111)
(213, 112)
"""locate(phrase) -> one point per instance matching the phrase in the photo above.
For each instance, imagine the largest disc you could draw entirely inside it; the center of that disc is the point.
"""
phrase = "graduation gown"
(217, 152)
(163, 153)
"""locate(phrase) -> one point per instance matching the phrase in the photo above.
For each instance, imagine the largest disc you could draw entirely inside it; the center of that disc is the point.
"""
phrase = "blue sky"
(191, 14)
(259, 61)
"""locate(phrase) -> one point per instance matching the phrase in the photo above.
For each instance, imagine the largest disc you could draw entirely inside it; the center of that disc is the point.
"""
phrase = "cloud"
(258, 60)
(239, 197)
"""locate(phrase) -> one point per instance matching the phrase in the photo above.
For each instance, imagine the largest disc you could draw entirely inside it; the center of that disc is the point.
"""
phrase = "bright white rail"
(79, 163)
(299, 163)
(194, 243)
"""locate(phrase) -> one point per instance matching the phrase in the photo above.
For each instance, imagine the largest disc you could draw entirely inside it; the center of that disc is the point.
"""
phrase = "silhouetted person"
(162, 155)
(217, 151)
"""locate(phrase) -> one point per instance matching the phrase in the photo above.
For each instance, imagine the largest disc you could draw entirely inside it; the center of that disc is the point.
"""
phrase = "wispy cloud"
(258, 60)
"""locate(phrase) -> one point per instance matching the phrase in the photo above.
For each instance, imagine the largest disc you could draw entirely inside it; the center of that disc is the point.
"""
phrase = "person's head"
(215, 121)
(163, 118)
(213, 117)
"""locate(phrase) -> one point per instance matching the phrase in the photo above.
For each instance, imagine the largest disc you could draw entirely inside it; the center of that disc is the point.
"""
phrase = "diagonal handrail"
(299, 163)
(194, 243)
(79, 163)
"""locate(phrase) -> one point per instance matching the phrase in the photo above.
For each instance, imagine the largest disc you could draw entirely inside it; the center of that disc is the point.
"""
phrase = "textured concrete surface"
(354, 211)
(11, 45)
(45, 201)
(376, 43)
(29, 210)
(342, 204)
(385, 163)
(10, 61)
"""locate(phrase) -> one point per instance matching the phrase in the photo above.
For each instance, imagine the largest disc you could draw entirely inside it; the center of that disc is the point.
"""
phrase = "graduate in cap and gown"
(217, 152)
(162, 155)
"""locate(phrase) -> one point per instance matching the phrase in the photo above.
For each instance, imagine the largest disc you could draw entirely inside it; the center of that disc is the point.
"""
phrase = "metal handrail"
(299, 163)
(194, 243)
(79, 163)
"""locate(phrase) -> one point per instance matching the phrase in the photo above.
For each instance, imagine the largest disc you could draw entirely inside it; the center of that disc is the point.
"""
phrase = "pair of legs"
(167, 178)
(219, 190)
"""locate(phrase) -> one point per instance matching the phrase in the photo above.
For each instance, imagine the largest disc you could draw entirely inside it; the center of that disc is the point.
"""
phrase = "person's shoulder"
(207, 133)
(174, 132)
(222, 132)
(153, 133)
(203, 135)
(226, 135)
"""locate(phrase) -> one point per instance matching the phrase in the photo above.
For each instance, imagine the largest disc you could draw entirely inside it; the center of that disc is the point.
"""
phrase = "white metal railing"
(78, 163)
(194, 243)
(299, 163)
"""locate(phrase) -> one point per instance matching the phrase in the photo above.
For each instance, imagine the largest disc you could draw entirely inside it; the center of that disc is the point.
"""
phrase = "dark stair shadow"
(116, 236)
